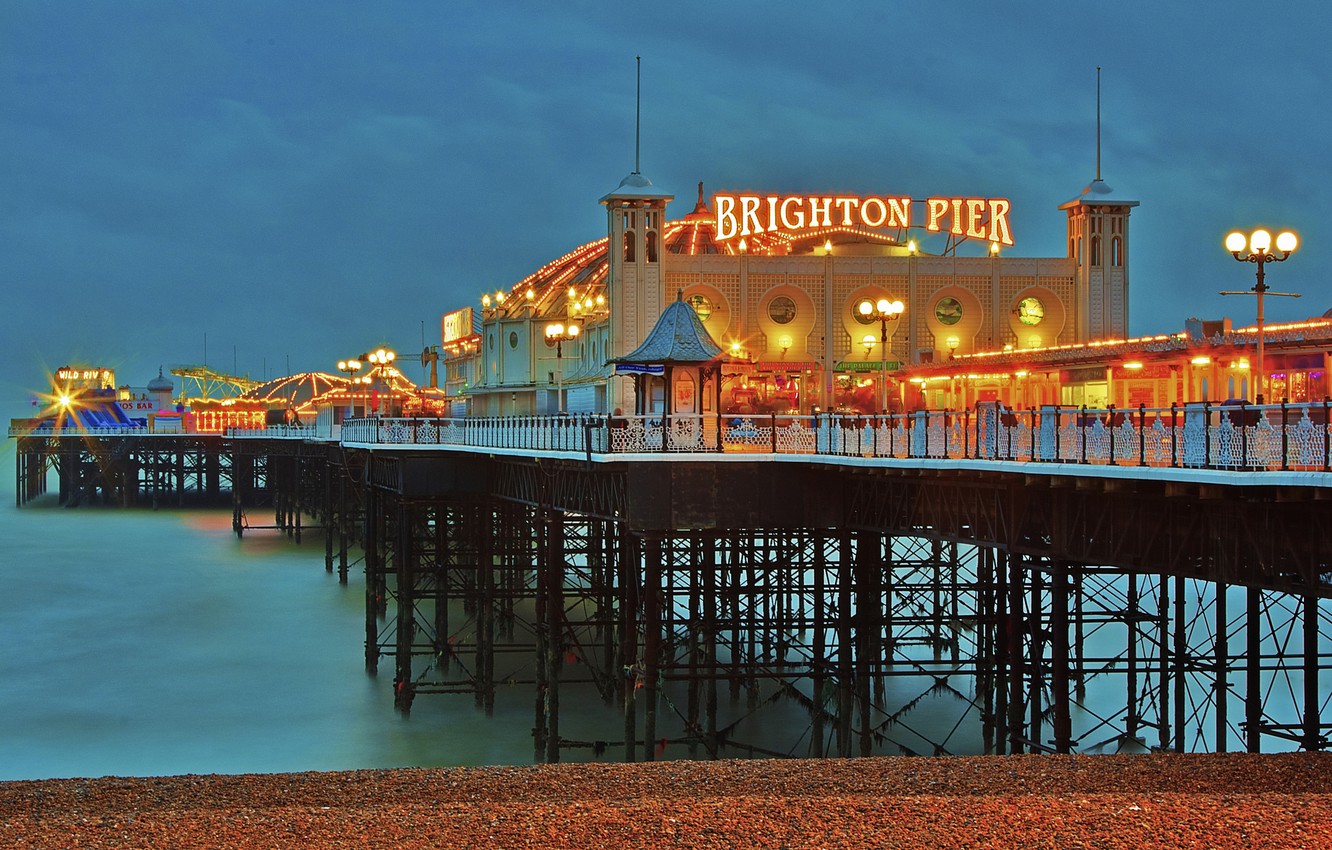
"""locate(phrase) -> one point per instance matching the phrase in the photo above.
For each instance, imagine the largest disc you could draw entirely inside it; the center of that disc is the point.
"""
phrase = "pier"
(1051, 580)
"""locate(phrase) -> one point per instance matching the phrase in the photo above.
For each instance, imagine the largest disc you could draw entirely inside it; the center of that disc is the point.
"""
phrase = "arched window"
(652, 246)
(628, 246)
(1096, 250)
(1079, 250)
(1116, 252)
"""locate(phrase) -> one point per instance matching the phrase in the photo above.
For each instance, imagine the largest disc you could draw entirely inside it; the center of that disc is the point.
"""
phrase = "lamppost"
(350, 368)
(884, 311)
(1259, 246)
(559, 334)
(380, 360)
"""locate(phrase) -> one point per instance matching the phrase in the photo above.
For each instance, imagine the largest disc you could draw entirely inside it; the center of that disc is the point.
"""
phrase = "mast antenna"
(1098, 122)
(638, 105)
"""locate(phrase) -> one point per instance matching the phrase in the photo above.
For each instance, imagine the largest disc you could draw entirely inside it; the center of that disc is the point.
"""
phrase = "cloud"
(294, 182)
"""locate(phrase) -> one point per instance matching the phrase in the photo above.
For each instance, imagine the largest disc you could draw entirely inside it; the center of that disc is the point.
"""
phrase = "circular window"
(513, 339)
(490, 341)
(948, 311)
(1030, 311)
(702, 306)
(781, 310)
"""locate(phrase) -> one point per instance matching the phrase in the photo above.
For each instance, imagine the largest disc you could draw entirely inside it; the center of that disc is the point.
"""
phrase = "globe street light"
(380, 360)
(350, 368)
(559, 334)
(1256, 248)
(884, 311)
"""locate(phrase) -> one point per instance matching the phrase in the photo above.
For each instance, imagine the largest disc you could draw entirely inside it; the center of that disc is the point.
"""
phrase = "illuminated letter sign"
(457, 325)
(748, 215)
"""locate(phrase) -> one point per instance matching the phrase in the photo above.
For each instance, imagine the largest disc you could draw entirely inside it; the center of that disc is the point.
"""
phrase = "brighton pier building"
(789, 289)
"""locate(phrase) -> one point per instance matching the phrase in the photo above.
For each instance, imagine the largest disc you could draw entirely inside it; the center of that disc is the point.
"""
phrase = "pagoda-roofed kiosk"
(677, 370)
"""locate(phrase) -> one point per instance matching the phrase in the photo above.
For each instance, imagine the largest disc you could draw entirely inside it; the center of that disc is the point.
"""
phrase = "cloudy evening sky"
(297, 182)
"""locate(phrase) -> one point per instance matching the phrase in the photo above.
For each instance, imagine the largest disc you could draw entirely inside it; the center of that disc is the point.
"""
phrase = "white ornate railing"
(1213, 436)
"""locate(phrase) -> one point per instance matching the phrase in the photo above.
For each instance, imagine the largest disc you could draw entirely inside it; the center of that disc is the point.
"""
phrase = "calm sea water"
(140, 643)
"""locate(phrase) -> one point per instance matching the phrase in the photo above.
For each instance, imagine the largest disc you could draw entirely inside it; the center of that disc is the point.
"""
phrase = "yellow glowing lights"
(562, 332)
(747, 215)
(1133, 365)
(883, 309)
(381, 357)
(1259, 243)
(1201, 360)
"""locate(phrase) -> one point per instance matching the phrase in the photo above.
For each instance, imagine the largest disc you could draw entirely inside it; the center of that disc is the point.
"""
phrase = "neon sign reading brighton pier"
(747, 215)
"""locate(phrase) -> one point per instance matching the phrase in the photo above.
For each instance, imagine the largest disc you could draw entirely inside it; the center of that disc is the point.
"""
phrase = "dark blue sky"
(302, 181)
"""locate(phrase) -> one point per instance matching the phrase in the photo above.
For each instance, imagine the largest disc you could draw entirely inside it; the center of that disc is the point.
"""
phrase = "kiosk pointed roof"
(677, 337)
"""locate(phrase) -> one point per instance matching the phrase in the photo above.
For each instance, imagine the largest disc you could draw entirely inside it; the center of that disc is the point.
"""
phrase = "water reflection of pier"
(912, 602)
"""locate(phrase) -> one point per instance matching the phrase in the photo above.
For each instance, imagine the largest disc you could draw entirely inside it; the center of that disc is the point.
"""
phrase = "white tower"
(1098, 242)
(634, 283)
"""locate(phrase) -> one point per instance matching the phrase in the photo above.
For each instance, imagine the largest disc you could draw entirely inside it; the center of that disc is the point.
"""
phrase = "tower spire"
(638, 105)
(1098, 122)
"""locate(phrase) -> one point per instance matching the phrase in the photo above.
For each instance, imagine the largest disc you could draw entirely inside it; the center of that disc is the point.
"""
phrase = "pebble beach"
(1093, 801)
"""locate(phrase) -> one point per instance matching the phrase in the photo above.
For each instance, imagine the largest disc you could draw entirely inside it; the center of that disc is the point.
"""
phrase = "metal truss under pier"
(865, 611)
(126, 469)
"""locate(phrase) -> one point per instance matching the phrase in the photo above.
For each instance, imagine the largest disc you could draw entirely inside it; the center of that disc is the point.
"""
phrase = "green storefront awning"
(867, 366)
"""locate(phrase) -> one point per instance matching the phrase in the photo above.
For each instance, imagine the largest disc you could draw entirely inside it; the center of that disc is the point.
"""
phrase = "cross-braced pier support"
(891, 635)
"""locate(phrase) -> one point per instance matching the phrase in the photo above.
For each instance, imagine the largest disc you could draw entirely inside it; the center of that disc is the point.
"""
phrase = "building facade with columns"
(778, 282)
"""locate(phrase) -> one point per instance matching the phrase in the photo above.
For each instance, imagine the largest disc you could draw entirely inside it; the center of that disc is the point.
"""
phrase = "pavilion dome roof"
(161, 383)
(294, 390)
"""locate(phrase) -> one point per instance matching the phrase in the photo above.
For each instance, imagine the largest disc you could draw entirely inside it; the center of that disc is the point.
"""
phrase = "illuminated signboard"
(974, 218)
(85, 376)
(457, 324)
